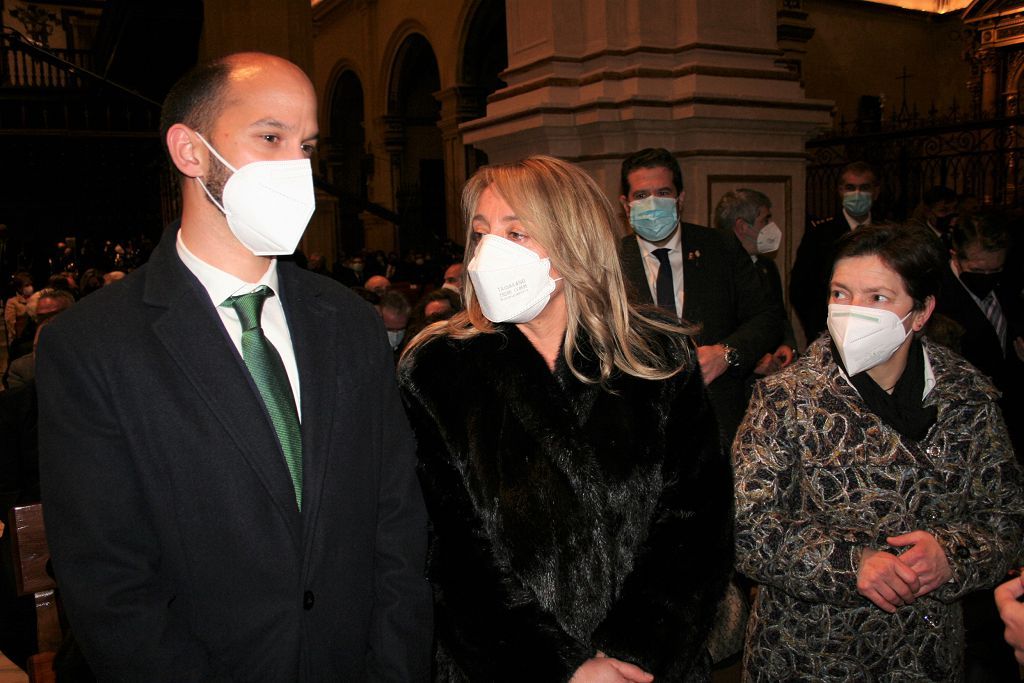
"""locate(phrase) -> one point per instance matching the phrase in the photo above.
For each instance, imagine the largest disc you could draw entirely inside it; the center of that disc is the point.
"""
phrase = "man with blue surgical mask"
(858, 190)
(699, 275)
(229, 475)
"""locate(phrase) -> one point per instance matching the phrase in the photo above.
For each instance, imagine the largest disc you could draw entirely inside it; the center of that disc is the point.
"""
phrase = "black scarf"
(904, 408)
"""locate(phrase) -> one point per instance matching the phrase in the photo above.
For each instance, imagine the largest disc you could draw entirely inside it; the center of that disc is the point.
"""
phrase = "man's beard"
(215, 181)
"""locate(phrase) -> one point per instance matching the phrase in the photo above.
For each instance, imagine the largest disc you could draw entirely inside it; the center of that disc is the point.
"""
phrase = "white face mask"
(267, 203)
(512, 283)
(769, 238)
(865, 337)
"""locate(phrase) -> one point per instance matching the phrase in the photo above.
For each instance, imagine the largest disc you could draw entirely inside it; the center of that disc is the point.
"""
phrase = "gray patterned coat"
(819, 477)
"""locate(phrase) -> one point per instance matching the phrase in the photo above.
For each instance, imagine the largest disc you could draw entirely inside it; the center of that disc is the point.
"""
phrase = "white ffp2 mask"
(769, 238)
(512, 283)
(865, 337)
(267, 203)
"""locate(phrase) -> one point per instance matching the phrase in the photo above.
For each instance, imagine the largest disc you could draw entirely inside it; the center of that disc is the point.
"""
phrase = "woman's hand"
(926, 558)
(1012, 613)
(886, 581)
(604, 669)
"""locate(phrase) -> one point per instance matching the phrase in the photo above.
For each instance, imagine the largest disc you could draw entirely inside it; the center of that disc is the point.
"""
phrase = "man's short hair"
(858, 168)
(742, 203)
(652, 157)
(395, 301)
(63, 299)
(197, 98)
(988, 229)
(937, 194)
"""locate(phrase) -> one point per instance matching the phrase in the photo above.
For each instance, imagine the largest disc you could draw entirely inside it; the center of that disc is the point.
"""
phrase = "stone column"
(989, 60)
(459, 103)
(593, 81)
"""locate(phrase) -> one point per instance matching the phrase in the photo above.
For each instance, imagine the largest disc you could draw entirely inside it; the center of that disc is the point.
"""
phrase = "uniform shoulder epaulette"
(821, 221)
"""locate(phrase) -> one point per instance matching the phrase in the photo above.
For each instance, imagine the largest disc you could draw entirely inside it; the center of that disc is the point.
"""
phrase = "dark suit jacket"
(723, 294)
(812, 268)
(772, 283)
(979, 343)
(170, 512)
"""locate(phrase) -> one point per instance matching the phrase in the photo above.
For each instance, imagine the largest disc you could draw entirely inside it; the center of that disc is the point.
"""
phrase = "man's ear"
(187, 156)
(680, 200)
(625, 204)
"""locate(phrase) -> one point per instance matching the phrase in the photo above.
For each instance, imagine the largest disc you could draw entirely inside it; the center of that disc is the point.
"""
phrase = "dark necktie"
(994, 312)
(267, 370)
(666, 291)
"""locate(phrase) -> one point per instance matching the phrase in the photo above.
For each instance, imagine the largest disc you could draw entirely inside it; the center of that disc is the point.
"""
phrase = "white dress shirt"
(675, 259)
(854, 223)
(220, 285)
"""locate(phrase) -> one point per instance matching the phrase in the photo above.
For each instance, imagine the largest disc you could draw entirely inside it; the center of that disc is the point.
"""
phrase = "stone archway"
(414, 144)
(346, 156)
(483, 56)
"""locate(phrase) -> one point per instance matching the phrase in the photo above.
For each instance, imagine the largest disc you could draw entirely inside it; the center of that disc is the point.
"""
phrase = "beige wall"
(861, 49)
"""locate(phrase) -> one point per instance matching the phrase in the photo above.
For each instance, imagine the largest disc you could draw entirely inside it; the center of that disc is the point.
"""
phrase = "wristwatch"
(732, 356)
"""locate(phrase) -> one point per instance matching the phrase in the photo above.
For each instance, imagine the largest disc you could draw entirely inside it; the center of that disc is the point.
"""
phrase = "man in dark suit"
(228, 476)
(748, 215)
(808, 281)
(698, 274)
(982, 301)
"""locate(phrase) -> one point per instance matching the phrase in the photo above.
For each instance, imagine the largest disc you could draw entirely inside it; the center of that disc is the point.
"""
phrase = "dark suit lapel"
(314, 329)
(695, 279)
(194, 337)
(633, 270)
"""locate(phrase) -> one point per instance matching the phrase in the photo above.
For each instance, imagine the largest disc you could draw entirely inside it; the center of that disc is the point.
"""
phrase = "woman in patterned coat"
(875, 484)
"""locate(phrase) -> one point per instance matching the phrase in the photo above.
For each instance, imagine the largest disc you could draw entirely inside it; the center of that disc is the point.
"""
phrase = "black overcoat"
(566, 518)
(178, 547)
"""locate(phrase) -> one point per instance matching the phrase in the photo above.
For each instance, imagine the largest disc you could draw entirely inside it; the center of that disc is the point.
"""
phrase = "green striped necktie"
(267, 370)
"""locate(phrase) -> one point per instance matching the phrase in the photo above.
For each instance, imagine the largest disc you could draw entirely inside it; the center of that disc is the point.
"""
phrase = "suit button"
(307, 600)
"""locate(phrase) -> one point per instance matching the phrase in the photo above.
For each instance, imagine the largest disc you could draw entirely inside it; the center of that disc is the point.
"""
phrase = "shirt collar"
(929, 375)
(219, 284)
(853, 222)
(675, 243)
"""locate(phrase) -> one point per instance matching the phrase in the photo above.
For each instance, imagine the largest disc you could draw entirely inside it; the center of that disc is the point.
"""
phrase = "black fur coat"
(567, 519)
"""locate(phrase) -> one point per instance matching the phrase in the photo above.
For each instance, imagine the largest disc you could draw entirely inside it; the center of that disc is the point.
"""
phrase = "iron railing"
(976, 157)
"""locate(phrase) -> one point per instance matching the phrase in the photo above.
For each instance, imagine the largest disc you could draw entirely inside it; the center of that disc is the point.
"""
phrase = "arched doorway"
(346, 157)
(415, 146)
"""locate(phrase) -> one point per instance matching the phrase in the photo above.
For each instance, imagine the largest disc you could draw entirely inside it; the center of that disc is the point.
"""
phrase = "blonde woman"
(581, 505)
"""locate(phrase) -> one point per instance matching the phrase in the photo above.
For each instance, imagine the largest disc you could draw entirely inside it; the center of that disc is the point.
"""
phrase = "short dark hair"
(937, 194)
(197, 98)
(858, 168)
(913, 251)
(652, 157)
(742, 203)
(395, 301)
(20, 280)
(987, 228)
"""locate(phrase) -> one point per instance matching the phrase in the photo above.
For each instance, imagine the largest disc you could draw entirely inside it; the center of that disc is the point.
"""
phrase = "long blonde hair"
(568, 213)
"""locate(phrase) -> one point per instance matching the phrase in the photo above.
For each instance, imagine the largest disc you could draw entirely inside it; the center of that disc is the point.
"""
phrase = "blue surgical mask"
(654, 218)
(857, 203)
